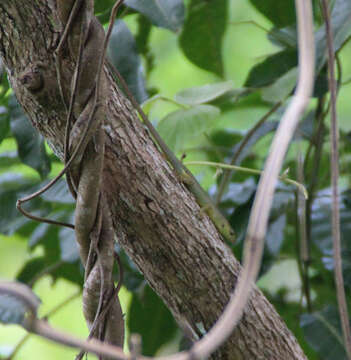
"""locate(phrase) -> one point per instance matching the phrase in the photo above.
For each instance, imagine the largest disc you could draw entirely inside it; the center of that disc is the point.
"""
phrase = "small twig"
(227, 174)
(299, 185)
(303, 256)
(334, 159)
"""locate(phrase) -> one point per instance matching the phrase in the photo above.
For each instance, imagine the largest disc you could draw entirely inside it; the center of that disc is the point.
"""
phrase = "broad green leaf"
(168, 14)
(271, 69)
(180, 126)
(13, 308)
(142, 39)
(281, 88)
(203, 94)
(150, 318)
(323, 333)
(103, 5)
(280, 13)
(31, 147)
(124, 56)
(202, 34)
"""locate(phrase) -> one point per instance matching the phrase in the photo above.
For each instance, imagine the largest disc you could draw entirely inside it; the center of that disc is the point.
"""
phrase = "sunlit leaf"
(203, 94)
(182, 125)
(281, 88)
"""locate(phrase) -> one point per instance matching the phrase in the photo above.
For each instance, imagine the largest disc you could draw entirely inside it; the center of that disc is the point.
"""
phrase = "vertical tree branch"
(334, 163)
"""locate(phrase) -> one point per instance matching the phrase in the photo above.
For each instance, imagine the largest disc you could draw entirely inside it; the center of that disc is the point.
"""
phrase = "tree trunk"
(156, 220)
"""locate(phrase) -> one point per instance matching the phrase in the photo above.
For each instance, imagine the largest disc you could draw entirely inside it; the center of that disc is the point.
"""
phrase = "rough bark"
(155, 218)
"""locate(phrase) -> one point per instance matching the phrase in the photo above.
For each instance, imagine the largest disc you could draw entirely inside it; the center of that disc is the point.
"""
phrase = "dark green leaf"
(30, 143)
(103, 5)
(323, 333)
(150, 318)
(56, 269)
(123, 53)
(182, 125)
(201, 38)
(280, 13)
(142, 39)
(203, 94)
(168, 14)
(271, 69)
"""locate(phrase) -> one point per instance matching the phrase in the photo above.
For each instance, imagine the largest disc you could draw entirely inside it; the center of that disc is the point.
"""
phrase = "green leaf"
(203, 94)
(123, 53)
(150, 318)
(280, 13)
(180, 126)
(271, 69)
(55, 269)
(202, 35)
(103, 5)
(168, 14)
(30, 144)
(281, 88)
(323, 333)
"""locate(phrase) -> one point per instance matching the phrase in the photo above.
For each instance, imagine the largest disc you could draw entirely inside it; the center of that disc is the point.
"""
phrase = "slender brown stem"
(339, 280)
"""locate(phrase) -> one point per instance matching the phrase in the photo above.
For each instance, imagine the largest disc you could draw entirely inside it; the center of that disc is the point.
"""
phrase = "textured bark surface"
(156, 220)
